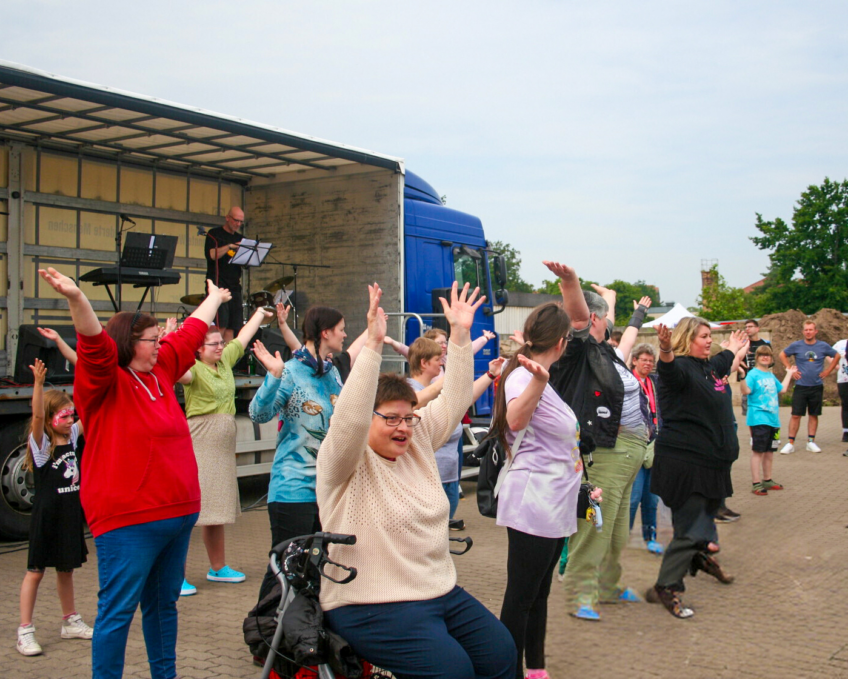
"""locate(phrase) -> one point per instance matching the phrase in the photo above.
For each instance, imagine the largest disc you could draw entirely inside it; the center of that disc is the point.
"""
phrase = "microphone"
(201, 231)
(125, 218)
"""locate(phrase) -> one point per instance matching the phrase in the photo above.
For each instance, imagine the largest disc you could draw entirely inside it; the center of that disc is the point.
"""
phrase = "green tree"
(626, 293)
(814, 247)
(721, 302)
(512, 257)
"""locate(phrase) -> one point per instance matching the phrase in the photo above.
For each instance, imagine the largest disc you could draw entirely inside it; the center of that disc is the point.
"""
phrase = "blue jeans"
(452, 491)
(144, 563)
(641, 494)
(452, 636)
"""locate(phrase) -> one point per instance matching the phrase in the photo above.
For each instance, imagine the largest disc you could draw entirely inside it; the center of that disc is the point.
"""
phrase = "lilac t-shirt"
(539, 494)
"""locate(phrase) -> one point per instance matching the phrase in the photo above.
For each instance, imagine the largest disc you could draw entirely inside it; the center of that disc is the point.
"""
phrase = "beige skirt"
(214, 440)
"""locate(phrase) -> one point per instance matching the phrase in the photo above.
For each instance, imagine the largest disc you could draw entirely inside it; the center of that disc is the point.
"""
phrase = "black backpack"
(492, 458)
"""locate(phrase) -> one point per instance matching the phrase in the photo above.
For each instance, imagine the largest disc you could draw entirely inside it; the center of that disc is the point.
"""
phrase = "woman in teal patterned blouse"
(302, 392)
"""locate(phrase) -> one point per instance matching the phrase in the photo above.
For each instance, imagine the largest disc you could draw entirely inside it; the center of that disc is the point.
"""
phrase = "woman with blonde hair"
(693, 453)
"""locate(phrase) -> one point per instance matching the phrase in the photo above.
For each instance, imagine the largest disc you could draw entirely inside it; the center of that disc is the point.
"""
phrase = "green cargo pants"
(593, 570)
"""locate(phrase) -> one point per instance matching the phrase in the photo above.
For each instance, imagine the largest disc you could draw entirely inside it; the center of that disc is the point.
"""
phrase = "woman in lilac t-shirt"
(537, 501)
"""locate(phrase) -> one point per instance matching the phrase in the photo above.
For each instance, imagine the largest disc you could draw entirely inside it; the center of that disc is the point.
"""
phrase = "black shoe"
(726, 515)
(456, 524)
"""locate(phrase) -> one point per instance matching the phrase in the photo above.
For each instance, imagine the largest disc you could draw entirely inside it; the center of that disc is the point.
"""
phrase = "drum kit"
(263, 299)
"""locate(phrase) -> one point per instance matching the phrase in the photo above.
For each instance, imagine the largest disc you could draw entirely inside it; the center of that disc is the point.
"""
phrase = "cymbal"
(192, 300)
(279, 283)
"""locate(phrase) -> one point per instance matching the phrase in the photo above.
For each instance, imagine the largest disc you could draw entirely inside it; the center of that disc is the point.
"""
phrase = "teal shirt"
(763, 401)
(304, 403)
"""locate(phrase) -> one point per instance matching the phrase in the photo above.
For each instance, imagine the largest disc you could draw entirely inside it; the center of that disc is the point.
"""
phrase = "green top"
(213, 392)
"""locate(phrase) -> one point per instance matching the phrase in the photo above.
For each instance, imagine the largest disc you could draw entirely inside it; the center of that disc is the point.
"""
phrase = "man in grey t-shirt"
(810, 372)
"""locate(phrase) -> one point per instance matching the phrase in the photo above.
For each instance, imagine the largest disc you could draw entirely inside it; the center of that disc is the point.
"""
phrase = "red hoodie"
(139, 461)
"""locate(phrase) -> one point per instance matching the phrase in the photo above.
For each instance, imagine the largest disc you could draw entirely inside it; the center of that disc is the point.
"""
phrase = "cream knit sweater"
(397, 509)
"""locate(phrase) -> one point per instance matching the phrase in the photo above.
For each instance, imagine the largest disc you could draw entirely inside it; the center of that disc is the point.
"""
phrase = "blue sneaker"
(587, 613)
(226, 574)
(629, 596)
(655, 547)
(187, 589)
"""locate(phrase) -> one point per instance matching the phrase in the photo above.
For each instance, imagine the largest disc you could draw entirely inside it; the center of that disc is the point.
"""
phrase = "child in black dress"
(57, 540)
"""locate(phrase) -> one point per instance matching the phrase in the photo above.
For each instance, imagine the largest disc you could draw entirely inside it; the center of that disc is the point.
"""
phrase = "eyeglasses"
(236, 221)
(214, 344)
(395, 420)
(155, 340)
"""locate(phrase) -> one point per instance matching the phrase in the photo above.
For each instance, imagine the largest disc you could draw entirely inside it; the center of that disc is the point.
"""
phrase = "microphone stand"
(294, 266)
(119, 235)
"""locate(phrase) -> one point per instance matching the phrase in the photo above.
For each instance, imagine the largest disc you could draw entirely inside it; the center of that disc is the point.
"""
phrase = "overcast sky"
(631, 139)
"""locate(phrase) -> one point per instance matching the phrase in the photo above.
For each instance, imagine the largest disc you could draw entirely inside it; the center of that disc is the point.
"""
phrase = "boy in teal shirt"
(763, 390)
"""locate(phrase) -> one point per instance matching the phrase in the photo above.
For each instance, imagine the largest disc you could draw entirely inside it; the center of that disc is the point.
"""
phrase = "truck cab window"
(467, 266)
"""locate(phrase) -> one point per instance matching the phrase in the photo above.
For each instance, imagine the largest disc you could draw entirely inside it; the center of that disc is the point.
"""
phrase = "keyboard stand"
(115, 304)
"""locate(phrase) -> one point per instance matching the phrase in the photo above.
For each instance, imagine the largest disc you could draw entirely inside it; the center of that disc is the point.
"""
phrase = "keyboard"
(131, 276)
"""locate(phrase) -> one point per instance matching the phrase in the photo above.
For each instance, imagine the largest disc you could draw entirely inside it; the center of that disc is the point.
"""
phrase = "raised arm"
(215, 297)
(39, 374)
(787, 378)
(398, 347)
(430, 392)
(482, 341)
(487, 379)
(249, 330)
(67, 353)
(572, 295)
(291, 340)
(82, 314)
(274, 392)
(628, 337)
(610, 296)
(356, 346)
(347, 439)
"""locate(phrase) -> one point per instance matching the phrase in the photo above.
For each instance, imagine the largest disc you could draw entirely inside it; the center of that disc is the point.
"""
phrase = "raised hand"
(60, 283)
(39, 371)
(50, 334)
(645, 302)
(283, 313)
(376, 318)
(562, 271)
(602, 290)
(535, 369)
(664, 336)
(496, 365)
(273, 364)
(264, 314)
(489, 335)
(222, 293)
(738, 339)
(460, 312)
(517, 336)
(170, 326)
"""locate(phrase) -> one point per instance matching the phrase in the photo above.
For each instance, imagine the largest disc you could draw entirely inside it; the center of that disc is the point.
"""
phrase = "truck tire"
(16, 485)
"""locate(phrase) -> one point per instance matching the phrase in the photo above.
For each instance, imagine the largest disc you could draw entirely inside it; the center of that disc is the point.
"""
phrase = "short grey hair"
(597, 304)
(640, 349)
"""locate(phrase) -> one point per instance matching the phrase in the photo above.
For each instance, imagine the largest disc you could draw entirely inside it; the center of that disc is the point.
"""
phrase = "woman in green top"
(210, 406)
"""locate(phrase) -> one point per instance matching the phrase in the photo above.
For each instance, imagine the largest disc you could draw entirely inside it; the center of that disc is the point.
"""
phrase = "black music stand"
(148, 251)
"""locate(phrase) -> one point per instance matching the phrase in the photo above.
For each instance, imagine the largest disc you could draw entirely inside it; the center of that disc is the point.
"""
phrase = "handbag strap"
(509, 458)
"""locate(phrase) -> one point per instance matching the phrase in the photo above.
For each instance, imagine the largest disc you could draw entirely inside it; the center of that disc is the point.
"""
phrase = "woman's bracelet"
(490, 376)
(666, 351)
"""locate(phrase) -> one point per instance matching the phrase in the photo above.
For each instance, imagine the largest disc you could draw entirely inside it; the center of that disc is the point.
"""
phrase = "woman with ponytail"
(537, 501)
(302, 393)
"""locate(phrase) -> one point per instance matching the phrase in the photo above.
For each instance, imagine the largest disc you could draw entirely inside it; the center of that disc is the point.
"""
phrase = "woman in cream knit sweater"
(377, 479)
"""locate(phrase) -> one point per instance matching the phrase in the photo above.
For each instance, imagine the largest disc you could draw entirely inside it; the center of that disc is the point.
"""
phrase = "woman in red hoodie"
(139, 486)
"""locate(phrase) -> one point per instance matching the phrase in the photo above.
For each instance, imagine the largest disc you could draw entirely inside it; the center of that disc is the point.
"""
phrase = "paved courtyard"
(785, 616)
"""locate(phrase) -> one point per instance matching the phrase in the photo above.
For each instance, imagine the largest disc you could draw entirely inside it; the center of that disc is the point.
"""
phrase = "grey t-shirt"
(447, 457)
(809, 359)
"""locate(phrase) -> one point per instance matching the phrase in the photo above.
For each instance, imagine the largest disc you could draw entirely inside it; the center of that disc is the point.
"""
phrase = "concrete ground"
(783, 617)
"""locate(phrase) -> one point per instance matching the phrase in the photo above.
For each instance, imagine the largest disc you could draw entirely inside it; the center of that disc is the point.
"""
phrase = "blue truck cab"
(442, 245)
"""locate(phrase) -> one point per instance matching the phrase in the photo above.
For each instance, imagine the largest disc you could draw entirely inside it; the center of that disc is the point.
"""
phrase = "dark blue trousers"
(451, 637)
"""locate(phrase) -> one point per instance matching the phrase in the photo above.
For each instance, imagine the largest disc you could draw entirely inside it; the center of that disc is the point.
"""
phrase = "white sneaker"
(788, 448)
(812, 447)
(75, 628)
(561, 576)
(27, 645)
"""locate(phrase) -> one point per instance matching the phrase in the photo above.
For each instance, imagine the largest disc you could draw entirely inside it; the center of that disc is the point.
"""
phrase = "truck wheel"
(16, 485)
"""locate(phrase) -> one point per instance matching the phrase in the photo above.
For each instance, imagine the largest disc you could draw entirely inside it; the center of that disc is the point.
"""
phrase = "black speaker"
(440, 323)
(32, 345)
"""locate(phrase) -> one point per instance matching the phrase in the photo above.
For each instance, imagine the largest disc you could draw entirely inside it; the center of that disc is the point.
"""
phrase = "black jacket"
(697, 413)
(585, 378)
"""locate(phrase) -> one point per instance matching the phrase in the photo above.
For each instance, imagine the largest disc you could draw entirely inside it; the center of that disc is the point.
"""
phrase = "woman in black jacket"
(693, 453)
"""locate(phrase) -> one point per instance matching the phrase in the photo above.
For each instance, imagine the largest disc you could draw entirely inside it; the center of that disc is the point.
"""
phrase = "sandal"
(704, 562)
(669, 598)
